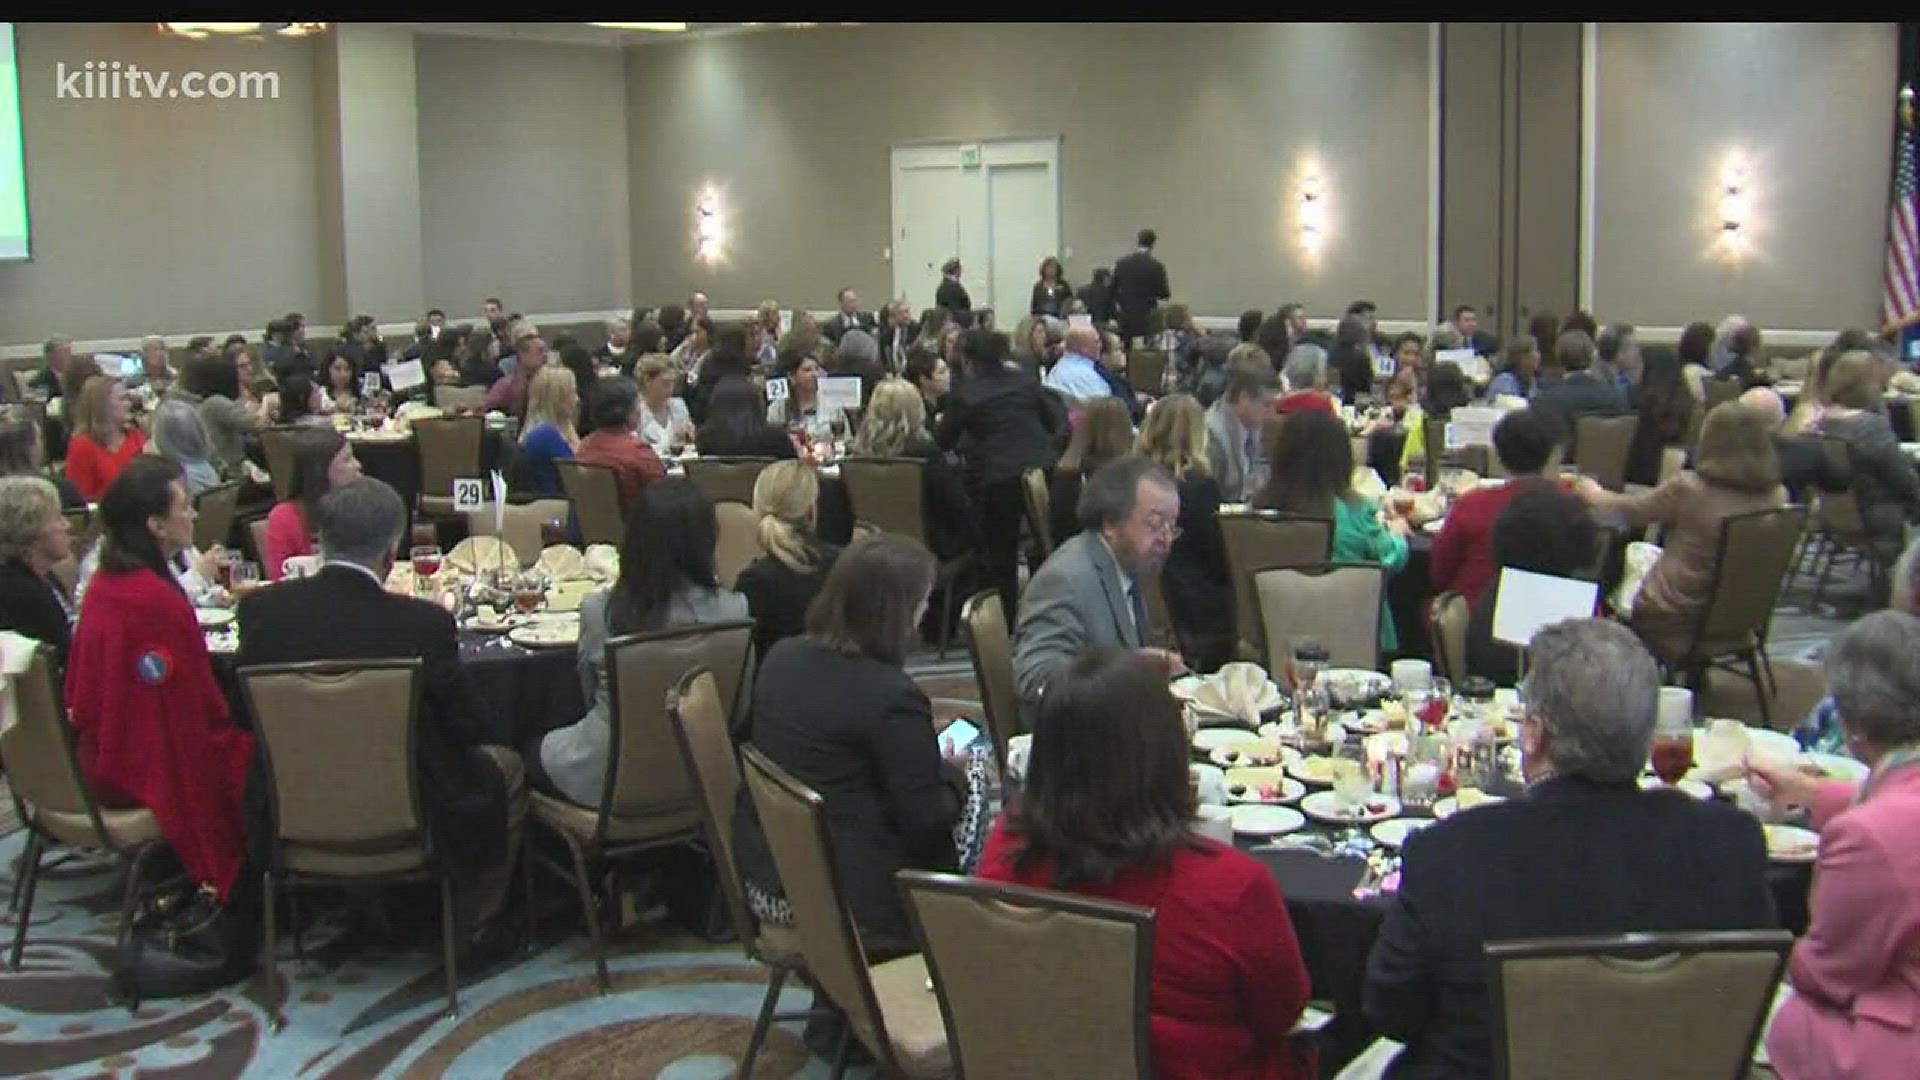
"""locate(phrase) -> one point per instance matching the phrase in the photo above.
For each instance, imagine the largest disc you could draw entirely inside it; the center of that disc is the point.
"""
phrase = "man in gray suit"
(1233, 430)
(1087, 595)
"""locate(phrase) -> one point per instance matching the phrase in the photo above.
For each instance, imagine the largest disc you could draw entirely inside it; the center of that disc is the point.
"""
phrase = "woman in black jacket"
(1003, 422)
(1098, 296)
(780, 584)
(728, 360)
(33, 537)
(736, 424)
(1051, 293)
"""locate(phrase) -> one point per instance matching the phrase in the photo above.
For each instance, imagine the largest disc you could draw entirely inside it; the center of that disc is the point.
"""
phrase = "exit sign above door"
(970, 156)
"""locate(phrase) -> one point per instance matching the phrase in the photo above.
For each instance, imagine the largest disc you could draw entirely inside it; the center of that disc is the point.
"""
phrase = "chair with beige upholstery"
(53, 800)
(648, 799)
(1449, 614)
(277, 443)
(1720, 391)
(214, 511)
(1034, 982)
(1339, 604)
(991, 647)
(1679, 1006)
(1039, 500)
(594, 491)
(337, 749)
(456, 398)
(1147, 371)
(524, 525)
(700, 726)
(1479, 459)
(1259, 540)
(727, 479)
(1601, 445)
(738, 540)
(449, 449)
(1840, 531)
(888, 1006)
(890, 493)
(1756, 550)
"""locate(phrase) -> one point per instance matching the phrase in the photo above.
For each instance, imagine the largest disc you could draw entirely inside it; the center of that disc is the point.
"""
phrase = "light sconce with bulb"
(1313, 214)
(709, 228)
(1736, 203)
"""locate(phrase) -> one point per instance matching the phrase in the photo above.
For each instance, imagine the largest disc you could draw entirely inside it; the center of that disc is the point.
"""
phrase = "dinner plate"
(1394, 831)
(1326, 806)
(1447, 807)
(1835, 766)
(1761, 743)
(1691, 787)
(1259, 752)
(210, 617)
(1257, 819)
(545, 635)
(500, 623)
(1313, 770)
(1211, 739)
(1434, 526)
(1253, 783)
(1788, 844)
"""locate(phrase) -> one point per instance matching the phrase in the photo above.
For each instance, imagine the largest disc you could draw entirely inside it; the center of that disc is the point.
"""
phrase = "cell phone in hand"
(959, 735)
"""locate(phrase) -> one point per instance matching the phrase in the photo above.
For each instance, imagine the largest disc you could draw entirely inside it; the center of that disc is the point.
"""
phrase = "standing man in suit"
(473, 795)
(850, 317)
(951, 295)
(1088, 592)
(1583, 852)
(1139, 284)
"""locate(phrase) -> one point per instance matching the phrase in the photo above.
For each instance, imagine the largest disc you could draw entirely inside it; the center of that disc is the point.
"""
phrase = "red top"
(1462, 558)
(1302, 400)
(633, 460)
(93, 469)
(1228, 981)
(152, 723)
(287, 536)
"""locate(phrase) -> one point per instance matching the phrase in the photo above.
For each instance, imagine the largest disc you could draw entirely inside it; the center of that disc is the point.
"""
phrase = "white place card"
(1082, 319)
(1472, 425)
(369, 382)
(469, 495)
(1383, 364)
(405, 375)
(1454, 356)
(1527, 601)
(839, 392)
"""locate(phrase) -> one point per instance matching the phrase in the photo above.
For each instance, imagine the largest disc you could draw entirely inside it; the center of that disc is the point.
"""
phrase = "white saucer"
(1258, 819)
(211, 617)
(1394, 832)
(1326, 806)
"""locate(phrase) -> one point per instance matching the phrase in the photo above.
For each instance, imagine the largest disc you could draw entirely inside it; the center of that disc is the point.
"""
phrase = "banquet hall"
(1175, 549)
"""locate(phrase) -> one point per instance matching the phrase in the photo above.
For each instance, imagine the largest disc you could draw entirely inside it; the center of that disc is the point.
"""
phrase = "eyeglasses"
(1164, 525)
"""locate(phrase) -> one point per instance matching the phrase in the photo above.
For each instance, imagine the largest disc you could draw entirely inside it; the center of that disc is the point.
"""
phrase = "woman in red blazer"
(1108, 812)
(103, 440)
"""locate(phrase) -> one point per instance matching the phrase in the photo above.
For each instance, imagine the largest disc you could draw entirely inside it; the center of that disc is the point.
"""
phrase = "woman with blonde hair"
(1194, 579)
(548, 435)
(1855, 412)
(895, 425)
(1104, 434)
(1735, 470)
(781, 583)
(103, 438)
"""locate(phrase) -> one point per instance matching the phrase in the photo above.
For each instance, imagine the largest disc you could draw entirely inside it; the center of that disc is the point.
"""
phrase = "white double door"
(995, 205)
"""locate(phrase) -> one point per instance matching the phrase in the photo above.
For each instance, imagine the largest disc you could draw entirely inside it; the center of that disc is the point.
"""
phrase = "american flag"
(1902, 296)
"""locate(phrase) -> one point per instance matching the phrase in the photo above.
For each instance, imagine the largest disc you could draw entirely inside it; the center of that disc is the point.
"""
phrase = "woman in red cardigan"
(1108, 812)
(103, 442)
(152, 723)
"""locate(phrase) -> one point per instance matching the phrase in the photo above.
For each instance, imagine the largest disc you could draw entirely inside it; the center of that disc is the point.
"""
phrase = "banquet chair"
(338, 752)
(1841, 530)
(1147, 371)
(738, 542)
(890, 492)
(1680, 1006)
(1448, 615)
(1719, 392)
(706, 745)
(726, 479)
(1601, 445)
(214, 511)
(276, 443)
(1259, 540)
(449, 449)
(887, 1005)
(1477, 458)
(1033, 982)
(54, 803)
(1038, 497)
(649, 799)
(453, 398)
(257, 536)
(594, 491)
(1755, 552)
(991, 647)
(1338, 603)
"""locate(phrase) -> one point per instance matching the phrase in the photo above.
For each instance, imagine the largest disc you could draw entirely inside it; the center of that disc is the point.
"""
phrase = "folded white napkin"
(1237, 694)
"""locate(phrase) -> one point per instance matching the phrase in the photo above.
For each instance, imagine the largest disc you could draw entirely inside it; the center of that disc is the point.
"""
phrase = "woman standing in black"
(951, 295)
(1051, 293)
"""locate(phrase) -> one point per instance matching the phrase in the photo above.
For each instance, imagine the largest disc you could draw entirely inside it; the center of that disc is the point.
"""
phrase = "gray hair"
(1107, 497)
(857, 347)
(1874, 672)
(1445, 336)
(1306, 366)
(1597, 689)
(178, 431)
(361, 522)
(26, 503)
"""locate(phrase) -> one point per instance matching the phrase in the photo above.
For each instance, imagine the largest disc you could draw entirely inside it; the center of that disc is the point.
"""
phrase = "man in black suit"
(1139, 284)
(1584, 851)
(1466, 319)
(951, 295)
(473, 795)
(1571, 386)
(850, 317)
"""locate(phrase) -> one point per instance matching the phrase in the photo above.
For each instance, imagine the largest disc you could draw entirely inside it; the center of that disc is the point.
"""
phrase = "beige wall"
(1812, 104)
(523, 175)
(163, 215)
(1194, 130)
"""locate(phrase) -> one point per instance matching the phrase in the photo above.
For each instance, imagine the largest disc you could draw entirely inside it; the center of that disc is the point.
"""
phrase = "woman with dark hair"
(1519, 366)
(1447, 390)
(216, 382)
(1051, 293)
(322, 460)
(932, 376)
(1545, 530)
(801, 405)
(1003, 422)
(727, 360)
(736, 424)
(1317, 481)
(152, 723)
(480, 361)
(951, 295)
(575, 358)
(1275, 338)
(1097, 295)
(1544, 328)
(1107, 811)
(1528, 443)
(21, 455)
(666, 581)
(1104, 434)
(343, 382)
(1665, 406)
(1352, 356)
(672, 319)
(648, 339)
(297, 401)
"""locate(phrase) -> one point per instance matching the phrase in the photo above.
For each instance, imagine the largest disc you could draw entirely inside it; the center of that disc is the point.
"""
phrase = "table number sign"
(776, 390)
(469, 494)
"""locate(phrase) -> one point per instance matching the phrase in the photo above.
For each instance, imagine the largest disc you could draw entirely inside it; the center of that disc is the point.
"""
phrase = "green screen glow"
(13, 170)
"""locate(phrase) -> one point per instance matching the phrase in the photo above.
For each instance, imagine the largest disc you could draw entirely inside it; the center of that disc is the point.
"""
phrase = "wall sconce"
(709, 230)
(1736, 203)
(1313, 214)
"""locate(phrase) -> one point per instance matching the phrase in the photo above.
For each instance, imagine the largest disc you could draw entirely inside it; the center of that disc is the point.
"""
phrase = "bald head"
(1083, 341)
(1763, 399)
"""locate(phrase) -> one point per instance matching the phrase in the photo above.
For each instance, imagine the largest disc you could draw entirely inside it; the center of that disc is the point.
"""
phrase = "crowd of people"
(1137, 477)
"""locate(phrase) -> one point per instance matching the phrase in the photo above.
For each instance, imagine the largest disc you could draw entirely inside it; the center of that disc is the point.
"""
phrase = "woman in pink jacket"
(1855, 1008)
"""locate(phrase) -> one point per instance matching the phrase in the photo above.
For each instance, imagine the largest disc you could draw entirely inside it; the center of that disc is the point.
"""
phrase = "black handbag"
(179, 943)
